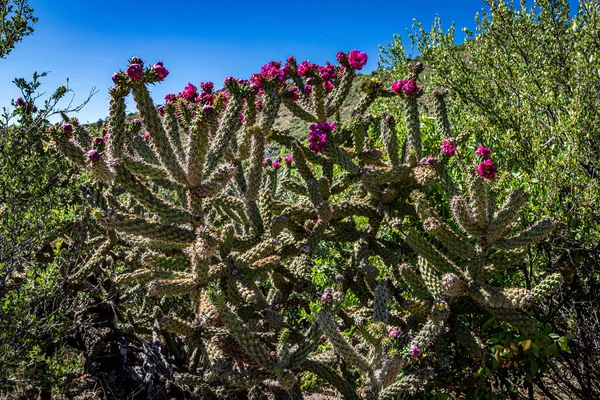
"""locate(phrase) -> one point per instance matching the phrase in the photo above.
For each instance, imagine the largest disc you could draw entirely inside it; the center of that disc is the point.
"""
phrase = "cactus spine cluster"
(205, 218)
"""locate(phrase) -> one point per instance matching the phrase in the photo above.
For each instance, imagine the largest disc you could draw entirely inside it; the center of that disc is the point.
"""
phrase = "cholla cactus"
(189, 187)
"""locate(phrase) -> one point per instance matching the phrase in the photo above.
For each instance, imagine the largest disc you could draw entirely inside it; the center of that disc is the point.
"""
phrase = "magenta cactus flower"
(190, 92)
(327, 296)
(208, 110)
(414, 352)
(328, 72)
(486, 169)
(98, 140)
(483, 152)
(136, 60)
(241, 118)
(288, 160)
(160, 71)
(134, 72)
(259, 105)
(427, 161)
(305, 67)
(357, 59)
(410, 87)
(397, 86)
(93, 155)
(67, 128)
(317, 136)
(146, 136)
(170, 97)
(341, 57)
(394, 333)
(20, 101)
(307, 90)
(328, 86)
(160, 110)
(294, 94)
(276, 164)
(389, 118)
(207, 86)
(448, 148)
(116, 78)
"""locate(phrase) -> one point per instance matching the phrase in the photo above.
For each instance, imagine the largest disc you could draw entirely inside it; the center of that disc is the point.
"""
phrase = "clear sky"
(87, 40)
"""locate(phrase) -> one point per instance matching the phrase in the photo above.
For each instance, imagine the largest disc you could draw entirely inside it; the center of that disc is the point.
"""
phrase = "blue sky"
(86, 41)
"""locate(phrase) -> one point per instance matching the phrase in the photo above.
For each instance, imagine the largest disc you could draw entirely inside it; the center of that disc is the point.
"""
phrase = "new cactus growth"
(235, 237)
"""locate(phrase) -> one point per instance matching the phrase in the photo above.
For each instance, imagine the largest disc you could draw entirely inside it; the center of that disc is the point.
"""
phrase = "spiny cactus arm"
(318, 97)
(159, 138)
(531, 235)
(409, 384)
(428, 334)
(464, 217)
(546, 287)
(271, 104)
(197, 148)
(73, 151)
(172, 287)
(294, 187)
(414, 146)
(339, 156)
(180, 327)
(507, 214)
(340, 92)
(416, 286)
(254, 347)
(147, 198)
(161, 262)
(263, 249)
(324, 372)
(441, 113)
(225, 133)
(307, 346)
(233, 207)
(381, 312)
(140, 147)
(147, 275)
(390, 140)
(466, 338)
(456, 244)
(516, 318)
(298, 111)
(432, 278)
(427, 251)
(116, 123)
(184, 115)
(148, 229)
(483, 269)
(216, 183)
(172, 129)
(94, 262)
(480, 202)
(245, 136)
(143, 169)
(255, 173)
(340, 344)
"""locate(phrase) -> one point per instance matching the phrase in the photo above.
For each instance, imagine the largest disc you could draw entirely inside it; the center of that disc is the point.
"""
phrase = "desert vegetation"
(430, 230)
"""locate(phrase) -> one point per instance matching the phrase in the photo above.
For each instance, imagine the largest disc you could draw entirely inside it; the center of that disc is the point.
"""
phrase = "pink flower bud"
(327, 296)
(394, 333)
(414, 352)
(98, 140)
(357, 59)
(134, 72)
(288, 159)
(208, 110)
(448, 148)
(20, 101)
(276, 164)
(136, 60)
(259, 105)
(266, 161)
(160, 110)
(160, 71)
(146, 136)
(207, 86)
(487, 169)
(341, 57)
(483, 152)
(67, 128)
(93, 155)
